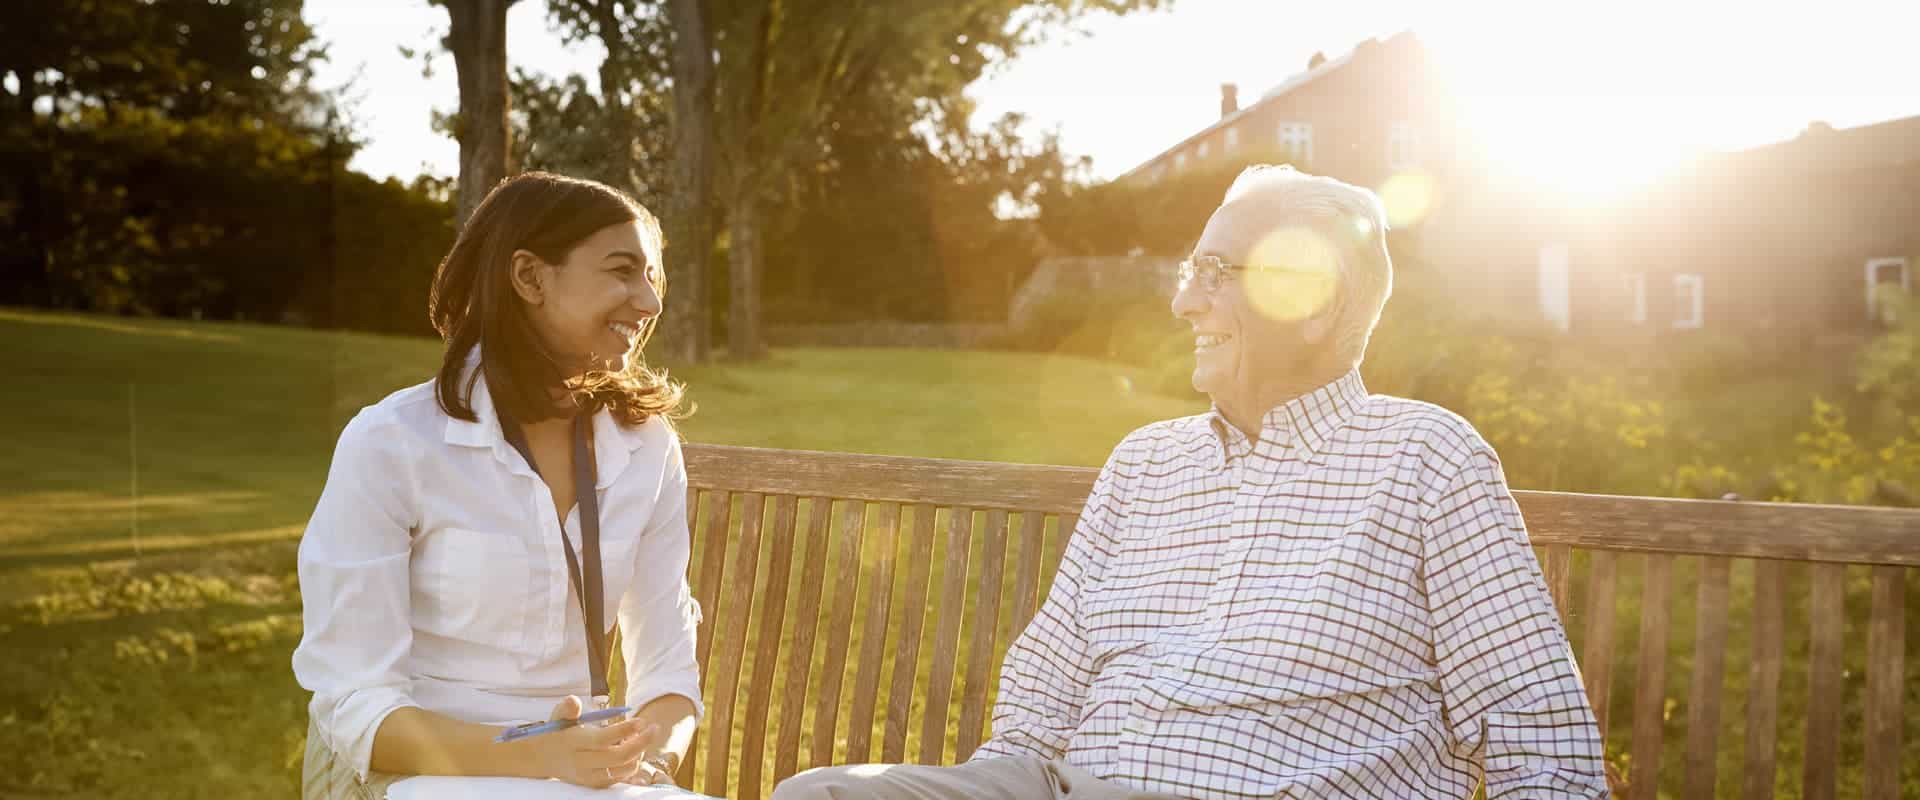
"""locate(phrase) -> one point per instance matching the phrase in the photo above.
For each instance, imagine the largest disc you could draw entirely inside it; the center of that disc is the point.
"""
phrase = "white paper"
(440, 787)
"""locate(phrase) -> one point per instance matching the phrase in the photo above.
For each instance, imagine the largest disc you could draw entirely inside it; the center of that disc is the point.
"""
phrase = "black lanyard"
(584, 479)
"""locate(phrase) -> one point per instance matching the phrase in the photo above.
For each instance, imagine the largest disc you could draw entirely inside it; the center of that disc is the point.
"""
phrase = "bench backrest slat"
(1763, 684)
(1650, 697)
(1558, 570)
(1886, 647)
(946, 640)
(708, 563)
(1709, 670)
(1596, 657)
(806, 625)
(1826, 619)
(893, 748)
(710, 548)
(885, 517)
(890, 479)
(1793, 531)
(983, 657)
(768, 618)
(849, 533)
(1031, 544)
(730, 633)
(821, 646)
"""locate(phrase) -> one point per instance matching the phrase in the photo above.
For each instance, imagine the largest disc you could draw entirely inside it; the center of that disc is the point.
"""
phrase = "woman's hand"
(596, 757)
(656, 770)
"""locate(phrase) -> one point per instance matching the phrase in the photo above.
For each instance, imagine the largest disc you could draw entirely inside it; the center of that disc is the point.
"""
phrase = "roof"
(1286, 87)
(1893, 143)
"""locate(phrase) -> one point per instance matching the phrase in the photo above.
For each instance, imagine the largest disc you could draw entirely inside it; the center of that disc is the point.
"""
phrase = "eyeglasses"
(1211, 272)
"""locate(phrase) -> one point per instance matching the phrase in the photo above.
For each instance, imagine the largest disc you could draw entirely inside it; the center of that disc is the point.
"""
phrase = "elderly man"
(1308, 591)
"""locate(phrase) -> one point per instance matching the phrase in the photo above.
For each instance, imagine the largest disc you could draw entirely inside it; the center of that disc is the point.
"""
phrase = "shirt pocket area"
(472, 586)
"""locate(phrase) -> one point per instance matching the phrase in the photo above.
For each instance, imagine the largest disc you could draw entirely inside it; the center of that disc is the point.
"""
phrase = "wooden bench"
(810, 659)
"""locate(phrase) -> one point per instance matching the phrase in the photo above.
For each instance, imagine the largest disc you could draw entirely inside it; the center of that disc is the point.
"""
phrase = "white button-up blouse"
(432, 573)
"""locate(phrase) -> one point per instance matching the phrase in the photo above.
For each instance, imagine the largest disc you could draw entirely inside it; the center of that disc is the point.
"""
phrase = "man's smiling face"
(1267, 318)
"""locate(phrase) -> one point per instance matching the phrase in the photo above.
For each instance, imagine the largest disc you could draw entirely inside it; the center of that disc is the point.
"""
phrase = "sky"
(1584, 95)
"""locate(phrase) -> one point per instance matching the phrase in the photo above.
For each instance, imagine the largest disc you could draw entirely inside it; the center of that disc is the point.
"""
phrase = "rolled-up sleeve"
(659, 619)
(354, 589)
(1508, 679)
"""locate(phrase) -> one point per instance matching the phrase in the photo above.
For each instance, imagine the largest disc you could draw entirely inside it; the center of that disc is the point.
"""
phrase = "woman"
(475, 529)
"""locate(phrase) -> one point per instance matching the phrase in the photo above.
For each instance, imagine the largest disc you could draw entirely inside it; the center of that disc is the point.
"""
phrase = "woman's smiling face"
(596, 305)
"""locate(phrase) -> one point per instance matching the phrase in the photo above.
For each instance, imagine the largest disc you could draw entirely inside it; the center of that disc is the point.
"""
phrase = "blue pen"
(518, 732)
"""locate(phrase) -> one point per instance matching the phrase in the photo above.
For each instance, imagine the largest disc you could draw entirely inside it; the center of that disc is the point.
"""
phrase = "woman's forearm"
(415, 741)
(674, 716)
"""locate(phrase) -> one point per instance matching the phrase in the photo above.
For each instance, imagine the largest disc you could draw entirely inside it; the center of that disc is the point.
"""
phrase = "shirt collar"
(1305, 422)
(613, 443)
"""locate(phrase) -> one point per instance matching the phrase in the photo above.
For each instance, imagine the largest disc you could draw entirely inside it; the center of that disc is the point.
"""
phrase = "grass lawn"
(160, 472)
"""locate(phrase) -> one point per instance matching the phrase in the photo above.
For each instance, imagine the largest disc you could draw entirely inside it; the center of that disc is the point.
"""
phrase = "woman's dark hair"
(473, 304)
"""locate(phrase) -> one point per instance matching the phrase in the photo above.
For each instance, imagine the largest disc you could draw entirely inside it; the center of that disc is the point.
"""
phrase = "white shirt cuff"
(355, 721)
(654, 687)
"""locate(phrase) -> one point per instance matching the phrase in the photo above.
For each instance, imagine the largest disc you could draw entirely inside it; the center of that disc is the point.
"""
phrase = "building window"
(1403, 150)
(1296, 141)
(1556, 303)
(1233, 140)
(1201, 152)
(1689, 292)
(1156, 173)
(1886, 276)
(1179, 161)
(1637, 297)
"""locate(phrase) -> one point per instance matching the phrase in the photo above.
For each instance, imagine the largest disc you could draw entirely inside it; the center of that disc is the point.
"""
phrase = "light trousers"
(1010, 778)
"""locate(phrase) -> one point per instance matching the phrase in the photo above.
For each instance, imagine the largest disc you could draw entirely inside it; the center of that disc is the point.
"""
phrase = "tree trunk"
(30, 160)
(745, 211)
(690, 187)
(614, 89)
(478, 39)
(743, 261)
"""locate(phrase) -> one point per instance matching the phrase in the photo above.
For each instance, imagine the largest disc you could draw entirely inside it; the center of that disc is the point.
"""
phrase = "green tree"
(614, 131)
(171, 157)
(925, 224)
(148, 147)
(786, 69)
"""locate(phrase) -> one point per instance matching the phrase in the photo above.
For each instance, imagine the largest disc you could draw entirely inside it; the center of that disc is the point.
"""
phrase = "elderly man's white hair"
(1350, 218)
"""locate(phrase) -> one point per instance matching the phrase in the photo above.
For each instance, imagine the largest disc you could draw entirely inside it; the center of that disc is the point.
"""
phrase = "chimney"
(1229, 99)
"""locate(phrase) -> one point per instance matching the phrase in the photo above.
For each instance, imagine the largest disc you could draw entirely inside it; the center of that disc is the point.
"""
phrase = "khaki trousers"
(326, 776)
(1011, 778)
